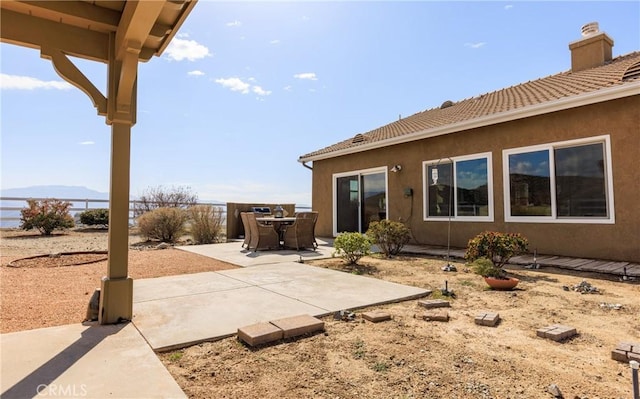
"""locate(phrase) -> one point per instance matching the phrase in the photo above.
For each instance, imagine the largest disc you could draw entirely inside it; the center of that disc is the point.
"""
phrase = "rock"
(94, 306)
(163, 245)
(554, 390)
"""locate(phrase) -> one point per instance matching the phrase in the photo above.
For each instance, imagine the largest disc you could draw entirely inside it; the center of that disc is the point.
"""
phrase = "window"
(459, 188)
(568, 182)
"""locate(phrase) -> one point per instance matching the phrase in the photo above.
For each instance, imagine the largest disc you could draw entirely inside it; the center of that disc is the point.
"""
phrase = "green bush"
(206, 223)
(46, 215)
(164, 224)
(352, 246)
(95, 217)
(485, 268)
(496, 247)
(389, 235)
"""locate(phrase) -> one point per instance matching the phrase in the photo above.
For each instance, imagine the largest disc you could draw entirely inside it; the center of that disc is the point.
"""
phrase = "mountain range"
(75, 192)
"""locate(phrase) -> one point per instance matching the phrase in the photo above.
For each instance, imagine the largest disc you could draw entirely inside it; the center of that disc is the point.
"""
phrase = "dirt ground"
(405, 357)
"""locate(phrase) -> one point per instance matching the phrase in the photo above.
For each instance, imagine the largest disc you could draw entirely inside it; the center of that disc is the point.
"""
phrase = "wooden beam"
(138, 18)
(78, 13)
(29, 31)
(69, 72)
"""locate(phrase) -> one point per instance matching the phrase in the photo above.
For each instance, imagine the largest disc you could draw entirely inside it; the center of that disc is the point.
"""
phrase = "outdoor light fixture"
(396, 168)
(278, 211)
(434, 177)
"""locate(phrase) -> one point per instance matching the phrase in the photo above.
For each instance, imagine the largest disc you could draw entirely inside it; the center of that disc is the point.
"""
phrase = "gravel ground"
(406, 357)
(51, 291)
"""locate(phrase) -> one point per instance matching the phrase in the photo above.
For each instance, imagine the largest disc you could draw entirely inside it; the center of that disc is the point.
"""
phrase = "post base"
(116, 300)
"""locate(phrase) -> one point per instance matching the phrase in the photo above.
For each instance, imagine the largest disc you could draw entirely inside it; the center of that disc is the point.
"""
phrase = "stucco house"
(555, 159)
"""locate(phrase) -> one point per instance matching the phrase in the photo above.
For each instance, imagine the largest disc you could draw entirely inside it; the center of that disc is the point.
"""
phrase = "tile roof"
(619, 71)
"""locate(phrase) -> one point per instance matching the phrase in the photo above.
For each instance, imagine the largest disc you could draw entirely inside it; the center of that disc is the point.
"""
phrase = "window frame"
(359, 173)
(454, 160)
(550, 148)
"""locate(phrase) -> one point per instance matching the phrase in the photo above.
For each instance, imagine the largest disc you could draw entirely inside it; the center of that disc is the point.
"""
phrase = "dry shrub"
(206, 223)
(163, 197)
(164, 224)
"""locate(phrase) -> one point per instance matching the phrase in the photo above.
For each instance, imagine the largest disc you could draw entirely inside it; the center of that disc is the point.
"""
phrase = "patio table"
(277, 223)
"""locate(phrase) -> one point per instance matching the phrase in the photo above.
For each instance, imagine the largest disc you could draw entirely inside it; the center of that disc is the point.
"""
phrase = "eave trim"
(603, 95)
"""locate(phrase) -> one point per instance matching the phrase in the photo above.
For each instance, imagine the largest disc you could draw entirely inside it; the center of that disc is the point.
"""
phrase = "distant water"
(14, 215)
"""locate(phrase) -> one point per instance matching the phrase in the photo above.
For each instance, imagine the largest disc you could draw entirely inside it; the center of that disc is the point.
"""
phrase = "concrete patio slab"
(176, 322)
(183, 285)
(232, 252)
(83, 361)
(257, 294)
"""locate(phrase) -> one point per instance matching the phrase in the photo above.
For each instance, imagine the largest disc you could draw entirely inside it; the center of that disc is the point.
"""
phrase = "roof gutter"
(598, 96)
(304, 163)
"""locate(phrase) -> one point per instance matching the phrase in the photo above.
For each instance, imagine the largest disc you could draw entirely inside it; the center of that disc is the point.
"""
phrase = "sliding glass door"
(360, 198)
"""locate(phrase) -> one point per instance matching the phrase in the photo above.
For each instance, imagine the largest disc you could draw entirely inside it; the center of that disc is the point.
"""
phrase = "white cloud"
(274, 41)
(475, 45)
(234, 84)
(234, 23)
(87, 143)
(237, 84)
(508, 6)
(260, 91)
(195, 73)
(15, 82)
(306, 75)
(180, 49)
(287, 88)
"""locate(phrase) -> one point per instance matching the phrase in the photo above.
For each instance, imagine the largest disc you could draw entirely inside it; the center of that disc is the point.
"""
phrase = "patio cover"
(119, 34)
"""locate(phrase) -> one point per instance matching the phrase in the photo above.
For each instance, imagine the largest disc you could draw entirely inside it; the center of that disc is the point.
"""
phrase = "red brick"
(436, 316)
(434, 303)
(625, 346)
(556, 332)
(259, 333)
(376, 316)
(298, 325)
(487, 319)
(619, 355)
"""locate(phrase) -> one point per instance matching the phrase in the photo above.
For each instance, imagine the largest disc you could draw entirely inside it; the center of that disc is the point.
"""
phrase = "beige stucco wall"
(620, 241)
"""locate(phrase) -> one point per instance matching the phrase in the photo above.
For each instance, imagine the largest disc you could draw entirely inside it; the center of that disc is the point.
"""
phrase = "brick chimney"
(593, 50)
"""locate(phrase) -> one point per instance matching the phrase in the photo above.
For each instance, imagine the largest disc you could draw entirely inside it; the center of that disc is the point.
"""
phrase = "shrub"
(164, 224)
(161, 197)
(390, 236)
(206, 223)
(496, 247)
(352, 246)
(95, 217)
(485, 268)
(46, 215)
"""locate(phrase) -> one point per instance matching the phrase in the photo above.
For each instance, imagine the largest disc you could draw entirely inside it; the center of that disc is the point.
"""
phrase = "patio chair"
(301, 234)
(262, 236)
(247, 229)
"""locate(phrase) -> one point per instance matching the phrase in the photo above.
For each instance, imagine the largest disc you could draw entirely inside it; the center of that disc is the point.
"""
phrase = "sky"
(246, 88)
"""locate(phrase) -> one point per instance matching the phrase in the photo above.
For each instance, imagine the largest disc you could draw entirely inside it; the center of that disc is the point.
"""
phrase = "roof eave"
(608, 94)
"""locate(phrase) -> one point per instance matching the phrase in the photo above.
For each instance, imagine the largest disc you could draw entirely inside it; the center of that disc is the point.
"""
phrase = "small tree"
(46, 215)
(161, 197)
(206, 223)
(389, 236)
(352, 246)
(164, 224)
(95, 217)
(496, 247)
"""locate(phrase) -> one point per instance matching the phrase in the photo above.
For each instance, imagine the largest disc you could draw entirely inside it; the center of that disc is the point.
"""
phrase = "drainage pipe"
(634, 378)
